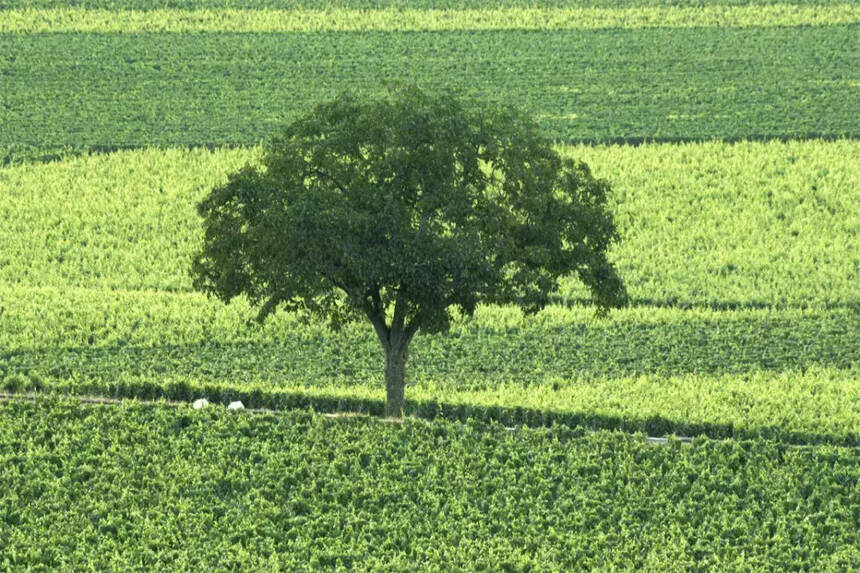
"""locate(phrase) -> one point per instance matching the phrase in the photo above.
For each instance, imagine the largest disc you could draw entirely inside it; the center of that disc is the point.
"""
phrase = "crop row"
(497, 344)
(131, 90)
(342, 20)
(704, 225)
(386, 4)
(139, 488)
(789, 374)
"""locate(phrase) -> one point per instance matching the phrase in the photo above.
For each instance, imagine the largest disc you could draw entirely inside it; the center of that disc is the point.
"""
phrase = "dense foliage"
(402, 210)
(132, 90)
(409, 206)
(158, 488)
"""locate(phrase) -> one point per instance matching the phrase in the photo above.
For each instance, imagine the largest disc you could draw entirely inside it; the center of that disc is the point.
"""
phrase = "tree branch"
(382, 330)
(374, 311)
(320, 173)
(377, 300)
(411, 330)
(399, 319)
(341, 285)
(269, 307)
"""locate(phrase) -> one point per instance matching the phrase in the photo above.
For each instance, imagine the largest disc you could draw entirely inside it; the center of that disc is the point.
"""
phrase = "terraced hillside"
(740, 225)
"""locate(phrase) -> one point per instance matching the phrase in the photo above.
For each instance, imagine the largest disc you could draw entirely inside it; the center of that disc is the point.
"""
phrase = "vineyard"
(729, 134)
(299, 492)
(108, 91)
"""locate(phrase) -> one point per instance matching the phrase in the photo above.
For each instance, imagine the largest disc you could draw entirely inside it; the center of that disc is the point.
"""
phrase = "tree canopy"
(399, 210)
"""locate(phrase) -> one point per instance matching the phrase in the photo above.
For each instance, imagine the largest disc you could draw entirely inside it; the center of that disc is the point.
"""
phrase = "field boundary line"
(66, 20)
(105, 401)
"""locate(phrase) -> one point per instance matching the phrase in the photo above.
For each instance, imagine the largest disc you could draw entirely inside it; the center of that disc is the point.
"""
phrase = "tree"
(402, 210)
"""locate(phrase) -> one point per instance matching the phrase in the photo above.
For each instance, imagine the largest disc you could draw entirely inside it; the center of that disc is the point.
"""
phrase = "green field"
(348, 19)
(790, 374)
(739, 214)
(149, 5)
(146, 488)
(760, 314)
(108, 91)
(709, 225)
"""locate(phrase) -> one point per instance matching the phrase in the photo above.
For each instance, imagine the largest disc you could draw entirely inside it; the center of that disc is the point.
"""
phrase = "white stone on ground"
(237, 405)
(200, 403)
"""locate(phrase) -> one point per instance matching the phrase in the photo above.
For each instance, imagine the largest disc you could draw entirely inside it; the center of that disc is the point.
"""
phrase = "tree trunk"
(395, 380)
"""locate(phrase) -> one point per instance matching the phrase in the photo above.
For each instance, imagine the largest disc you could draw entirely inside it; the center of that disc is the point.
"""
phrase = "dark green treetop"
(399, 210)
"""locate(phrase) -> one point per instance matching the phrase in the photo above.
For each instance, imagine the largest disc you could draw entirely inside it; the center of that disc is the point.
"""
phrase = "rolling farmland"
(89, 90)
(104, 302)
(729, 134)
(300, 492)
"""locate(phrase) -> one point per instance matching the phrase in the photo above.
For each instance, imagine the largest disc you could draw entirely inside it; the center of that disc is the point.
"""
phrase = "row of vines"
(107, 91)
(155, 488)
(711, 225)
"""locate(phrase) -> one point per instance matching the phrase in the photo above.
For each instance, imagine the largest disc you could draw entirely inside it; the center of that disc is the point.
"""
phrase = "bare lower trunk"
(395, 381)
(395, 341)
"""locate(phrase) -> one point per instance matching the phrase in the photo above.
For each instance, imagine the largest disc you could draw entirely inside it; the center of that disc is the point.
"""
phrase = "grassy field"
(740, 222)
